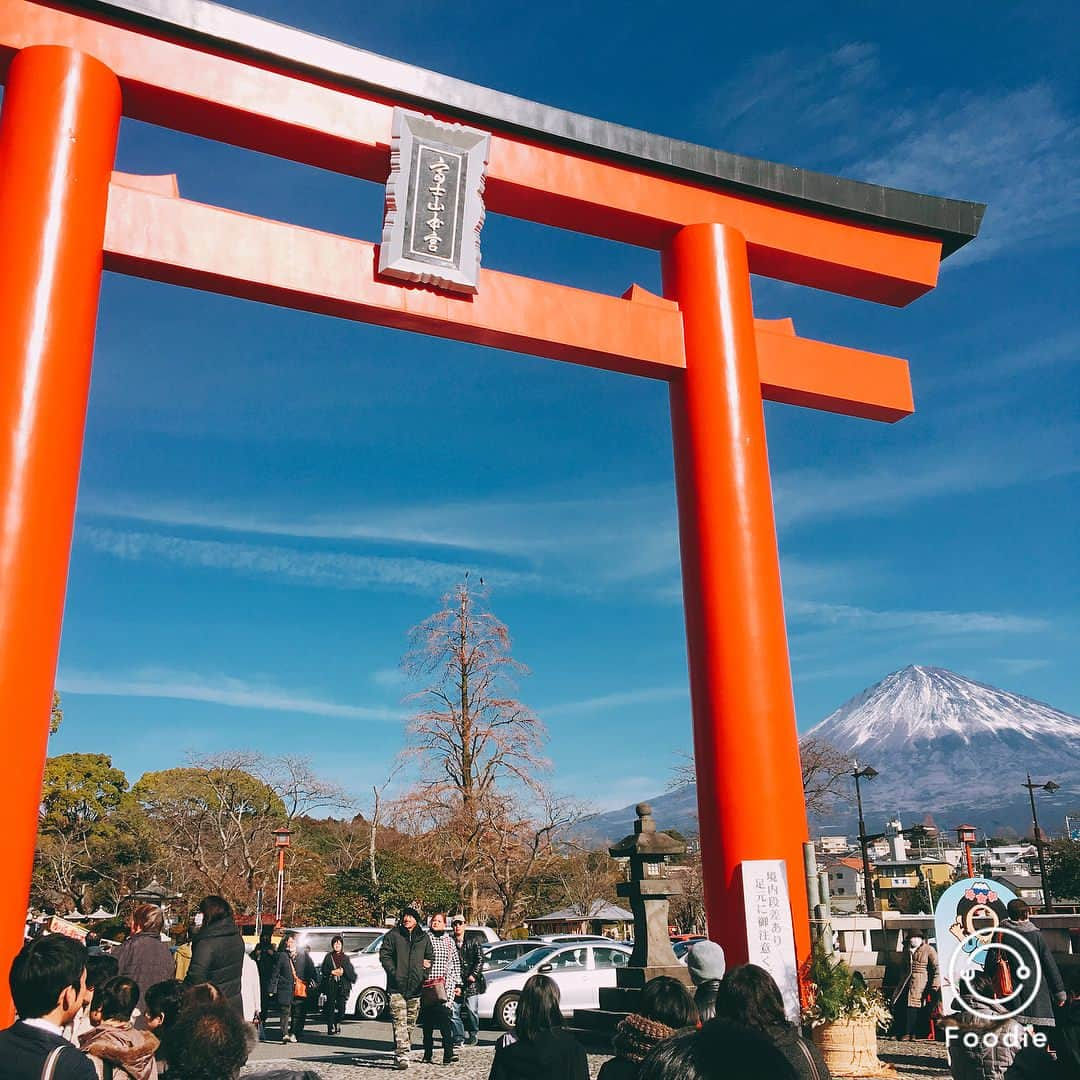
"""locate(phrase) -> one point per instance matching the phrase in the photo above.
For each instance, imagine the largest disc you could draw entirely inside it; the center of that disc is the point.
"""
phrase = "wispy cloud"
(533, 527)
(389, 678)
(816, 94)
(621, 699)
(893, 482)
(1018, 150)
(329, 569)
(218, 690)
(842, 110)
(942, 622)
(1022, 665)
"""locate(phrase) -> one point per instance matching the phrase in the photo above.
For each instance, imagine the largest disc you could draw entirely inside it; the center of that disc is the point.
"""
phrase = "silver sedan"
(580, 970)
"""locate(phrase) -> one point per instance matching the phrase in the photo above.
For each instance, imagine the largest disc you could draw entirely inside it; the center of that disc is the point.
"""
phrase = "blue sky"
(270, 500)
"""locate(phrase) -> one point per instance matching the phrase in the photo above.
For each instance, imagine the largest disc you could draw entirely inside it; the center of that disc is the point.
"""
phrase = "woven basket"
(850, 1048)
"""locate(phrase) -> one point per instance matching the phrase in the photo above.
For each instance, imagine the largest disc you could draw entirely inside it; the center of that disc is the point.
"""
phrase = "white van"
(317, 938)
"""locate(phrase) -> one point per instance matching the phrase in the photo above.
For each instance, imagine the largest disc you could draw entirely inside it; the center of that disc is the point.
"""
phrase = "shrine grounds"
(365, 1048)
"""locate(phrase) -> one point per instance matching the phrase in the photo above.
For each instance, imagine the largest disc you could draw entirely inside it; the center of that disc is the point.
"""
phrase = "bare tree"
(472, 741)
(587, 878)
(519, 849)
(824, 774)
(217, 816)
(682, 772)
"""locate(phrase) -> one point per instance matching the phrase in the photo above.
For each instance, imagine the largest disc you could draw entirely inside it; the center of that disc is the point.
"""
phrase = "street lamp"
(281, 842)
(968, 836)
(868, 772)
(1049, 787)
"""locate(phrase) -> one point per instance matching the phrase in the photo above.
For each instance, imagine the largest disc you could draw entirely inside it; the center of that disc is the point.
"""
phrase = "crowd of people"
(146, 1010)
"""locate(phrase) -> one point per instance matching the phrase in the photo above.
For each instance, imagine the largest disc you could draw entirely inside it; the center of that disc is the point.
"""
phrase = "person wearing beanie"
(706, 963)
(665, 1009)
(406, 953)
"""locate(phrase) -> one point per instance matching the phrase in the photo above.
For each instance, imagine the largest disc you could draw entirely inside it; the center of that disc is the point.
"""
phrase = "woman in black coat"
(283, 984)
(336, 980)
(750, 999)
(540, 1048)
(217, 950)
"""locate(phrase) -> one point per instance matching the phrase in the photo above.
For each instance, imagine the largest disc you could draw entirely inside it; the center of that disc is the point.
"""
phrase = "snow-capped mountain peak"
(919, 704)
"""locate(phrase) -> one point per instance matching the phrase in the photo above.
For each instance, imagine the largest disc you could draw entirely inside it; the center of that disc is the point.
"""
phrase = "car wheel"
(506, 1011)
(370, 1004)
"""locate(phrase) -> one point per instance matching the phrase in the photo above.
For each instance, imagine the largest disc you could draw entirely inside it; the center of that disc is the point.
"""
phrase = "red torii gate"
(72, 67)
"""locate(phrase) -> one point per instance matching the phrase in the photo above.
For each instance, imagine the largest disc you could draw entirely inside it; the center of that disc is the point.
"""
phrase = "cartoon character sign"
(965, 919)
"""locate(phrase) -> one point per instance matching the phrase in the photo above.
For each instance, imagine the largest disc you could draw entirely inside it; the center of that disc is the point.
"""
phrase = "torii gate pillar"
(58, 136)
(749, 780)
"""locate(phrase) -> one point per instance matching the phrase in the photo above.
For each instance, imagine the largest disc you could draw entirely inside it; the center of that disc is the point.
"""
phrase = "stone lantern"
(649, 890)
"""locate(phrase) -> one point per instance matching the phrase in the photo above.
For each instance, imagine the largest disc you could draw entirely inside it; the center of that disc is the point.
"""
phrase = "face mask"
(915, 942)
(198, 920)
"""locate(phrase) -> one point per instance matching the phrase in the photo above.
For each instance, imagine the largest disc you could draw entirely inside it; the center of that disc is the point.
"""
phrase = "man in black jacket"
(473, 984)
(405, 954)
(48, 985)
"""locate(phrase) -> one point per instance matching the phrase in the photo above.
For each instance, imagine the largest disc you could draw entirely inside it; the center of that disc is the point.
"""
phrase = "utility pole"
(1049, 787)
(866, 773)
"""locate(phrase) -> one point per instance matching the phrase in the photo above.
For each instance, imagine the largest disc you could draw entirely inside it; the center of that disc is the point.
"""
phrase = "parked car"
(580, 969)
(501, 953)
(681, 948)
(484, 933)
(317, 938)
(368, 998)
(565, 939)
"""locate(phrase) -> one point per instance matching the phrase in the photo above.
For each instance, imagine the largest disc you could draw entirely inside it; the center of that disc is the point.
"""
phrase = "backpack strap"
(814, 1071)
(49, 1068)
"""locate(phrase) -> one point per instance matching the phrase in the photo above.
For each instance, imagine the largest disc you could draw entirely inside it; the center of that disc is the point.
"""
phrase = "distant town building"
(603, 919)
(899, 873)
(832, 845)
(1027, 886)
(1006, 859)
(845, 884)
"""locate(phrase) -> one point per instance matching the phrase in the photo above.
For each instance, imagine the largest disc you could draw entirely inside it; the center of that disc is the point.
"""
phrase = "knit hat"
(705, 961)
(410, 911)
(636, 1035)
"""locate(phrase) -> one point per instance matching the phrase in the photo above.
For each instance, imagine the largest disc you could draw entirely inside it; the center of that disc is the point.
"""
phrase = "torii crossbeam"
(72, 67)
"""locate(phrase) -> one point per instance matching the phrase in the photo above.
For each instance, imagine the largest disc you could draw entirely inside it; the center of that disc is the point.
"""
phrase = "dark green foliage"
(352, 898)
(1063, 869)
(840, 993)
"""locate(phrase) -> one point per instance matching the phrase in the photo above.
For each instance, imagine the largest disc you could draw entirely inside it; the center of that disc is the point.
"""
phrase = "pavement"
(365, 1047)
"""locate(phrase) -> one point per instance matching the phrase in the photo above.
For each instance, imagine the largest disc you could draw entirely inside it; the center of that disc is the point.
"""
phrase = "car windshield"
(532, 959)
(373, 947)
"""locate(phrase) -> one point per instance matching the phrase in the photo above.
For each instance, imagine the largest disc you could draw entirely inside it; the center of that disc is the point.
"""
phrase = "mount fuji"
(943, 745)
(947, 745)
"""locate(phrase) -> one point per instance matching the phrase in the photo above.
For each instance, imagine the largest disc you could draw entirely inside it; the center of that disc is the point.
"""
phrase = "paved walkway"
(364, 1049)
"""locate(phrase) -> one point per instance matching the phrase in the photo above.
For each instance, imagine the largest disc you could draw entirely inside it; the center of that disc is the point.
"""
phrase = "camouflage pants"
(403, 1014)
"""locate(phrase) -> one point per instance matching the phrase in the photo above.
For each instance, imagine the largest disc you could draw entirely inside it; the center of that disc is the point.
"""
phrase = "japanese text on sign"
(770, 938)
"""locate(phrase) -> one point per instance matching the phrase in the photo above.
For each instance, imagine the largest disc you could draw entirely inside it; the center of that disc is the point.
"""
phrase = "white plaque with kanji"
(770, 937)
(434, 203)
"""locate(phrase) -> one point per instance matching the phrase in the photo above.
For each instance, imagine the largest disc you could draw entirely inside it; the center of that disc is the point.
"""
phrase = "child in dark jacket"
(116, 1042)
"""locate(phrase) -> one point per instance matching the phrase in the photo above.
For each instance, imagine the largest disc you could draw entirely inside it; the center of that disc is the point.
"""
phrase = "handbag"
(433, 991)
(1003, 982)
(299, 987)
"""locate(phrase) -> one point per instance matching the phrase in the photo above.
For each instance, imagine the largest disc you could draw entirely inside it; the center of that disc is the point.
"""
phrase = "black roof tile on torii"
(954, 222)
